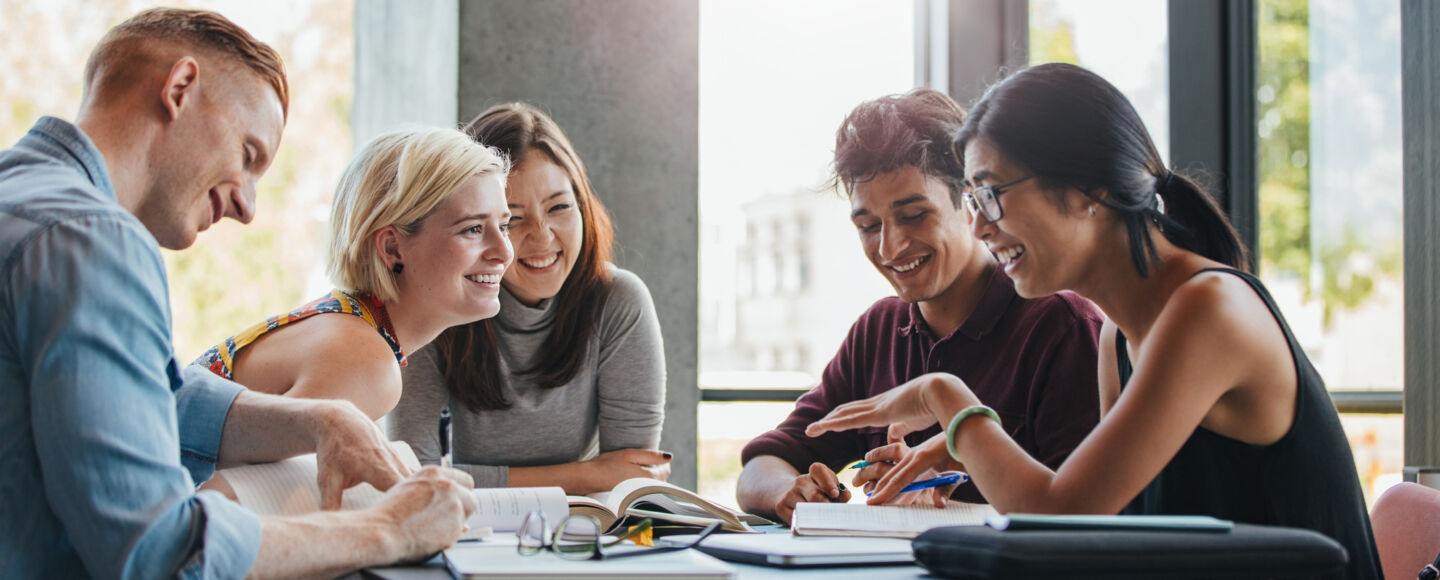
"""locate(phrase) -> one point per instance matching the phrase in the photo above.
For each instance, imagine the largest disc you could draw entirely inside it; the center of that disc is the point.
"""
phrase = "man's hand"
(350, 449)
(819, 485)
(428, 511)
(414, 520)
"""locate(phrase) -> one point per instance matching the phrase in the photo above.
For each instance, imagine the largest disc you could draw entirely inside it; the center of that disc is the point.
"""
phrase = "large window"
(1330, 184)
(782, 276)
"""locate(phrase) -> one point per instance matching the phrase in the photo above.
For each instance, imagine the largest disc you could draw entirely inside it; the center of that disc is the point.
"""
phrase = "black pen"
(445, 439)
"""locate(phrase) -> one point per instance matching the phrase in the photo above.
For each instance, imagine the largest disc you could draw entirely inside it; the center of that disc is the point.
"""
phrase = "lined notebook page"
(847, 519)
(289, 487)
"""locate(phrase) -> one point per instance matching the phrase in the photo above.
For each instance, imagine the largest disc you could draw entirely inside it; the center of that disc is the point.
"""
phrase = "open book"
(289, 487)
(883, 521)
(652, 498)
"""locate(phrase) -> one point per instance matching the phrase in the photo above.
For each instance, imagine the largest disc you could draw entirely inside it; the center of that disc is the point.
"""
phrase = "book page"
(669, 497)
(683, 507)
(289, 487)
(503, 509)
(821, 519)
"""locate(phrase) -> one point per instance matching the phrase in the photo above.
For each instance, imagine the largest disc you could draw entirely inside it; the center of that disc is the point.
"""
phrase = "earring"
(399, 267)
(1092, 209)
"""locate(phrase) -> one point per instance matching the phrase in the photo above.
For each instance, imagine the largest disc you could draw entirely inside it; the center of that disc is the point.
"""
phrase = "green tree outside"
(1342, 267)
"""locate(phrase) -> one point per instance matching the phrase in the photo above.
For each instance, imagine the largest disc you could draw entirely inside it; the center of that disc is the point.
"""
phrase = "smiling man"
(955, 311)
(101, 437)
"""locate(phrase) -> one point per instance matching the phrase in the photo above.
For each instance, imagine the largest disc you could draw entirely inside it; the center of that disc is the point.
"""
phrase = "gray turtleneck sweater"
(616, 401)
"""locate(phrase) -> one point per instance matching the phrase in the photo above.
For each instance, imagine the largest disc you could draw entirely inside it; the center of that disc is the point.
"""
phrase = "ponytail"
(1193, 221)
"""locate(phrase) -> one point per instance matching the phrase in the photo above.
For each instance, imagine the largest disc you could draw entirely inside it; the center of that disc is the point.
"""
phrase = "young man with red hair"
(102, 439)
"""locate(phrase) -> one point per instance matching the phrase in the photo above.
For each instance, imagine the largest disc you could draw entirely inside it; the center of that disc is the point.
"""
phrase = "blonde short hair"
(397, 180)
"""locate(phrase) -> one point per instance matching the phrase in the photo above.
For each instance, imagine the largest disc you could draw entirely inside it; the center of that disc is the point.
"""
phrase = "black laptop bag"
(1246, 552)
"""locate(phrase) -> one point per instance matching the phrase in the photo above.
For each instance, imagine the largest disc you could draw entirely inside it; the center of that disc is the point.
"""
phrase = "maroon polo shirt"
(1033, 361)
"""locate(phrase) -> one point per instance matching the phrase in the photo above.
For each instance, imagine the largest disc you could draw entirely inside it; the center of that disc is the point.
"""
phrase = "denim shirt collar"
(69, 145)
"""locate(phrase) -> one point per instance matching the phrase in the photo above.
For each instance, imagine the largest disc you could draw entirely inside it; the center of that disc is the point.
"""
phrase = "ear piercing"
(1092, 209)
(399, 267)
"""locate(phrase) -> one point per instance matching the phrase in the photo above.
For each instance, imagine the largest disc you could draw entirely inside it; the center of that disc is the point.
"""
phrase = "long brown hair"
(469, 355)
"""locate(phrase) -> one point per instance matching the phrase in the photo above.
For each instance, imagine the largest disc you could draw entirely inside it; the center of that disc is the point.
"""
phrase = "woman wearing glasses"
(1209, 406)
(566, 386)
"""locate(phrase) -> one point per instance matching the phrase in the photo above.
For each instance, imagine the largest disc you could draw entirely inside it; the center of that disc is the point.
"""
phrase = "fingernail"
(667, 455)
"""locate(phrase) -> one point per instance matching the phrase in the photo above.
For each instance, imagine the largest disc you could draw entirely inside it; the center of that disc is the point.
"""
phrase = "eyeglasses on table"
(581, 537)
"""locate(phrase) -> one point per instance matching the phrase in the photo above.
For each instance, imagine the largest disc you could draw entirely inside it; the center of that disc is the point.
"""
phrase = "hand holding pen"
(878, 462)
(946, 480)
(924, 461)
(818, 484)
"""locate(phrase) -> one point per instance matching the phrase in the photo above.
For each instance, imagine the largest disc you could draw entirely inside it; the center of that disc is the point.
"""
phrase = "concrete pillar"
(406, 70)
(1420, 97)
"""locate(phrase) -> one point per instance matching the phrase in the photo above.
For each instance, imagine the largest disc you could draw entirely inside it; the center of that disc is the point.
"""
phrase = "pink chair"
(1406, 520)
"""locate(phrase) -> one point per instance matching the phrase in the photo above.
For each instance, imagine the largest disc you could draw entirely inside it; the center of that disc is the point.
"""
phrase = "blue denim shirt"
(101, 440)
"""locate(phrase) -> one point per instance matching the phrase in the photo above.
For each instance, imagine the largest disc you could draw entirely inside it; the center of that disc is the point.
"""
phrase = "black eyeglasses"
(985, 200)
(580, 537)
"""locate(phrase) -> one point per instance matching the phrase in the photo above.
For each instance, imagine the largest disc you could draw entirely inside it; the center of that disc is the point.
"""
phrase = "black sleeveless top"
(1307, 479)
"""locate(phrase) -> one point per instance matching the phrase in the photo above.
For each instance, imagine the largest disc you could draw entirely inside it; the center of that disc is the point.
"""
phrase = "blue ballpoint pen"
(941, 481)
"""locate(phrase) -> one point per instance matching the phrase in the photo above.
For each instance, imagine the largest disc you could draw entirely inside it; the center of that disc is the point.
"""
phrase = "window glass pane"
(782, 276)
(1378, 442)
(724, 429)
(1328, 113)
(1125, 41)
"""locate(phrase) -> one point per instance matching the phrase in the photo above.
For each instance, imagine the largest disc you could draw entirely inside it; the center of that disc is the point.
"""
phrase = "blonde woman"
(418, 244)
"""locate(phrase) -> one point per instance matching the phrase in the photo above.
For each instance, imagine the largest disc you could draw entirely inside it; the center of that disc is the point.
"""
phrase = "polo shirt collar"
(999, 293)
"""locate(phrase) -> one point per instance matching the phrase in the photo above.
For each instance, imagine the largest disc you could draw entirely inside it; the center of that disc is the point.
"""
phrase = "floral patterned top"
(220, 359)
